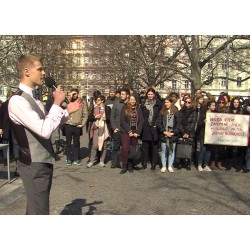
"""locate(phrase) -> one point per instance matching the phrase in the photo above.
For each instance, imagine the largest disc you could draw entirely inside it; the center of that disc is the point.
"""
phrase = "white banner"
(227, 129)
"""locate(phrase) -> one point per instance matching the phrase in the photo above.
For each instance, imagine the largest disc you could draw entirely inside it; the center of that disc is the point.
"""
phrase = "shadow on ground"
(75, 208)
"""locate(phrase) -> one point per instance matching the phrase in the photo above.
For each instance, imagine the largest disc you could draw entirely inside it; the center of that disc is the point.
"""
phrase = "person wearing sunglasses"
(187, 122)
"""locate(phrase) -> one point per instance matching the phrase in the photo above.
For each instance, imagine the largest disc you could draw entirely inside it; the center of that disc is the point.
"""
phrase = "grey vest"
(32, 148)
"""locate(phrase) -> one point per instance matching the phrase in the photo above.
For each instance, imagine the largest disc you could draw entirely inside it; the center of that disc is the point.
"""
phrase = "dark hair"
(125, 90)
(96, 93)
(102, 97)
(209, 103)
(75, 90)
(172, 109)
(150, 90)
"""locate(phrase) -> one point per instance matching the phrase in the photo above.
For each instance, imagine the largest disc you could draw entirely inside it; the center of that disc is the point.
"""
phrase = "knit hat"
(112, 89)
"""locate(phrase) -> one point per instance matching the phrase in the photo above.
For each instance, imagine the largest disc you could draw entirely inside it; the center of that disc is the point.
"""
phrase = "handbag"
(184, 148)
(135, 152)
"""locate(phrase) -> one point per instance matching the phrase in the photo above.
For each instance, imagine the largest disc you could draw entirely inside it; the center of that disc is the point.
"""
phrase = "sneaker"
(78, 162)
(69, 162)
(102, 164)
(200, 168)
(207, 168)
(90, 164)
(170, 169)
(163, 169)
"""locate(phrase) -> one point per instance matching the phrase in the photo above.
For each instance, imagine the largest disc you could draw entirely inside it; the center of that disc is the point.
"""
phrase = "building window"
(77, 75)
(86, 60)
(78, 59)
(78, 45)
(86, 44)
(86, 75)
(238, 81)
(210, 65)
(174, 84)
(224, 82)
(224, 65)
(186, 84)
(162, 85)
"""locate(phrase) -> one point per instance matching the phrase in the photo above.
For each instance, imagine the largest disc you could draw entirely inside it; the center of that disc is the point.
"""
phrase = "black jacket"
(150, 133)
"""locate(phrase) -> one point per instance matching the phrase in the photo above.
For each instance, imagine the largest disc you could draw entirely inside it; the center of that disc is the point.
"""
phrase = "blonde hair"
(25, 61)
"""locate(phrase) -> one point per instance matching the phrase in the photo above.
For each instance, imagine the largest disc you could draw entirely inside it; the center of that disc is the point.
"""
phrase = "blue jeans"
(167, 155)
(204, 155)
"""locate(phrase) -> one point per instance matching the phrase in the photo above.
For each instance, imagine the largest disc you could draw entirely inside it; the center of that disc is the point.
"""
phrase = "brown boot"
(219, 166)
(212, 165)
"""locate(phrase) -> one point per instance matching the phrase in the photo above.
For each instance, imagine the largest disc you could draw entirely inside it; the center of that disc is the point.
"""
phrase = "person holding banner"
(246, 111)
(235, 108)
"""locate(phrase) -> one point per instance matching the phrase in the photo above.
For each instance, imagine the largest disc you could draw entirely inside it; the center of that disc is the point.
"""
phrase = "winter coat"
(150, 133)
(161, 126)
(187, 121)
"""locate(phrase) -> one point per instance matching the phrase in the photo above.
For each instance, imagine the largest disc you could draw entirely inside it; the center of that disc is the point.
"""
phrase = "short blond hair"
(25, 61)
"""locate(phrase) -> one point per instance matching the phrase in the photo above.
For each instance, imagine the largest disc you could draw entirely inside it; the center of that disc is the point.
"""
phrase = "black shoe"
(130, 168)
(245, 170)
(188, 167)
(153, 167)
(238, 170)
(228, 168)
(113, 166)
(124, 170)
(144, 165)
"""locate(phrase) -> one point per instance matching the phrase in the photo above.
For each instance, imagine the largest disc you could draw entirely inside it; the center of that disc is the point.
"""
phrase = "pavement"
(78, 190)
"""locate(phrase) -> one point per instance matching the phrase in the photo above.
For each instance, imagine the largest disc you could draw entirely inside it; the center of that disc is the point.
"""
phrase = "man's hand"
(74, 106)
(1, 131)
(59, 96)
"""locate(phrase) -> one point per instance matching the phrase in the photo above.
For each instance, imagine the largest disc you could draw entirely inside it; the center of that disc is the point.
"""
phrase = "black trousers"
(116, 149)
(75, 133)
(37, 181)
(150, 146)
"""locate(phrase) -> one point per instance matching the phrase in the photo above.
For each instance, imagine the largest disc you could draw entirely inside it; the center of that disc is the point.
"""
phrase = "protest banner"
(227, 129)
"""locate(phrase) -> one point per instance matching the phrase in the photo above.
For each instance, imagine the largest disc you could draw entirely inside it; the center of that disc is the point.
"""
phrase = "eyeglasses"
(222, 102)
(187, 102)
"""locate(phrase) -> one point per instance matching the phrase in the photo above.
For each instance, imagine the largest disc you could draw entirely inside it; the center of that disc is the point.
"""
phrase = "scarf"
(99, 127)
(149, 105)
(169, 127)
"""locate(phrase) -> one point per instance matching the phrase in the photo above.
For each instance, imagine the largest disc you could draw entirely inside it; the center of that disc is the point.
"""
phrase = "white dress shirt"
(20, 112)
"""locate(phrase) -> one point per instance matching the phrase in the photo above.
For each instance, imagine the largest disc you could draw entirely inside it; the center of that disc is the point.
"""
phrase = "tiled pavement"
(103, 191)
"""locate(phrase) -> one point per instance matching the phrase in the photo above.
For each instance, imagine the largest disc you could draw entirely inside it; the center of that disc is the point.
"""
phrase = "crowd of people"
(154, 125)
(138, 128)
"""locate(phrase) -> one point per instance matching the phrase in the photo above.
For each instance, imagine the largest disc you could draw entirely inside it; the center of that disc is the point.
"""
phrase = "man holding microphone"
(33, 128)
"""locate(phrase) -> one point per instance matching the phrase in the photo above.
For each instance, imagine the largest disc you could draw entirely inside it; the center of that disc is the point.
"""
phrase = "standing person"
(6, 132)
(115, 121)
(203, 157)
(246, 111)
(235, 107)
(167, 124)
(176, 100)
(99, 131)
(73, 130)
(131, 127)
(33, 129)
(150, 110)
(187, 122)
(111, 99)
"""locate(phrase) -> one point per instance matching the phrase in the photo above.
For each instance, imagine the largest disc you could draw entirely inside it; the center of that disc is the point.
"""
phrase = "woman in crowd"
(168, 132)
(246, 111)
(150, 109)
(131, 127)
(100, 130)
(203, 157)
(186, 126)
(235, 108)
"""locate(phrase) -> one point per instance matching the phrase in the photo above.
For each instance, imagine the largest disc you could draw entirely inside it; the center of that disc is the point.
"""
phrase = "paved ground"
(103, 191)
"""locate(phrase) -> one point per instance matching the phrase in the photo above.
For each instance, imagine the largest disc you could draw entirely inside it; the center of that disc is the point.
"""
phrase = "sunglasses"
(222, 102)
(187, 102)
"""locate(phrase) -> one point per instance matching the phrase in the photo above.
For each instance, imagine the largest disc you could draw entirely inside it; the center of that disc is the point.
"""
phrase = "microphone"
(51, 83)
